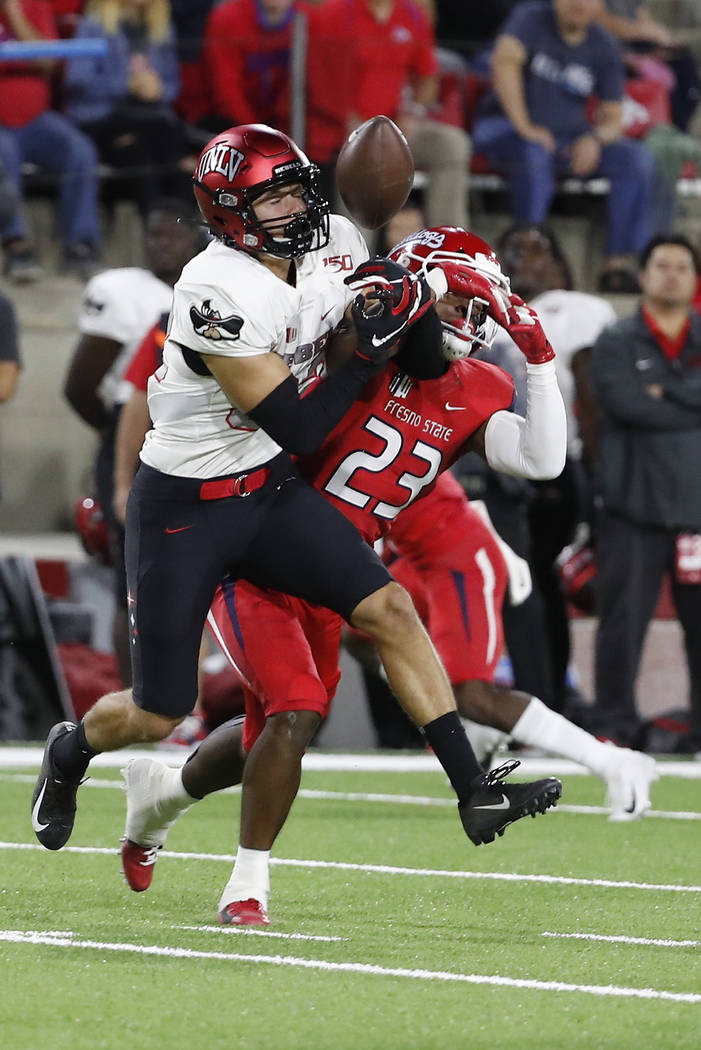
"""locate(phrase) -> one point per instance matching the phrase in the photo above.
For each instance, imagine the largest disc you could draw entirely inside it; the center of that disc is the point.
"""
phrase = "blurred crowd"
(532, 90)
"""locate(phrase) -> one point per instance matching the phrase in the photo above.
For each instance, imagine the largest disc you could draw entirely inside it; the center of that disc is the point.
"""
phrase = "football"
(374, 172)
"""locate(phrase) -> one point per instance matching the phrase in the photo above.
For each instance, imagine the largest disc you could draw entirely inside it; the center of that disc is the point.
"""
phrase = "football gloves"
(391, 299)
(507, 309)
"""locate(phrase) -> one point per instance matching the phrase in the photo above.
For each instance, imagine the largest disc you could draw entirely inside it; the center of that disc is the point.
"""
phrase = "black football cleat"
(53, 801)
(493, 805)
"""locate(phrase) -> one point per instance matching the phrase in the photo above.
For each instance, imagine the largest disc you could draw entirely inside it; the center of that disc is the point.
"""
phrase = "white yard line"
(243, 931)
(371, 762)
(359, 796)
(386, 869)
(620, 939)
(62, 941)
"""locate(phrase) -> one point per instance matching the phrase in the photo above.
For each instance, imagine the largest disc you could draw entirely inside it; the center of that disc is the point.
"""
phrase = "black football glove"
(392, 299)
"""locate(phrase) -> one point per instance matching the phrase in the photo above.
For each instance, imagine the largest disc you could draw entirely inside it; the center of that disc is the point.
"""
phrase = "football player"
(118, 305)
(217, 491)
(412, 421)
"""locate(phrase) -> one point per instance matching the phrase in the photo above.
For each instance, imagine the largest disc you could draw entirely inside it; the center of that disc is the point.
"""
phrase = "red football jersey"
(387, 451)
(419, 531)
(399, 435)
(445, 545)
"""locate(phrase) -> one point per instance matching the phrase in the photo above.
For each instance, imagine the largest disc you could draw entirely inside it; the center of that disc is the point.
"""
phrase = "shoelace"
(150, 857)
(494, 776)
(150, 853)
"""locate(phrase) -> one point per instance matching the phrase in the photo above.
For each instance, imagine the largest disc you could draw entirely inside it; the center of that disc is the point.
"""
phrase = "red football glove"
(527, 332)
(508, 310)
(469, 284)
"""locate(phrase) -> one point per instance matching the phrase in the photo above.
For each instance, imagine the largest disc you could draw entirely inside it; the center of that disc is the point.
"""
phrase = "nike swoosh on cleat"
(504, 804)
(36, 823)
(183, 528)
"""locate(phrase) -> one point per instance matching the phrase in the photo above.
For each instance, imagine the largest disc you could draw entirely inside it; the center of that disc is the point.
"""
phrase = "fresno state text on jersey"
(393, 442)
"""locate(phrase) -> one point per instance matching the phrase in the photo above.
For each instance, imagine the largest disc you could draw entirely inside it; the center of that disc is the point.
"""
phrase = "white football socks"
(484, 739)
(250, 878)
(172, 798)
(540, 727)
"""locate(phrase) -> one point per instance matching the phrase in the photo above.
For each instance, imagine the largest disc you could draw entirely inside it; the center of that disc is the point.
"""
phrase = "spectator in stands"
(646, 371)
(247, 51)
(194, 102)
(119, 306)
(390, 54)
(649, 43)
(31, 131)
(124, 100)
(662, 91)
(549, 59)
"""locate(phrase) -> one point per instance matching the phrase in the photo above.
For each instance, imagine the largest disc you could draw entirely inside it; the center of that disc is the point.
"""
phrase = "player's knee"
(457, 146)
(293, 729)
(116, 717)
(386, 613)
(153, 727)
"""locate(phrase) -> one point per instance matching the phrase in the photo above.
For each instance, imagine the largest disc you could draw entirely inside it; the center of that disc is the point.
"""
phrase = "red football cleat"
(244, 913)
(137, 864)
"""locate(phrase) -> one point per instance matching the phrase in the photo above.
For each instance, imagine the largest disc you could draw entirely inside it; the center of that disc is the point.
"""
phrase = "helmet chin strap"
(299, 230)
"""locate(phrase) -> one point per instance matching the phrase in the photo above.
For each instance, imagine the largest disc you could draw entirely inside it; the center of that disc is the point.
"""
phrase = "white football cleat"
(628, 783)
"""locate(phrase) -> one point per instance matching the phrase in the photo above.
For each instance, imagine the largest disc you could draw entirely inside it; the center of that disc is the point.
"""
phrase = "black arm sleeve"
(421, 348)
(299, 425)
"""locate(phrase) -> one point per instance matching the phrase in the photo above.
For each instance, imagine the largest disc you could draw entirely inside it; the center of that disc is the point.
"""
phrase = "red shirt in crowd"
(248, 64)
(24, 88)
(671, 348)
(62, 8)
(385, 56)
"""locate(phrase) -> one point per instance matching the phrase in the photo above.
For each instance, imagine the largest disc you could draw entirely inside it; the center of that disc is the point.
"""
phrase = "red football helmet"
(92, 529)
(422, 251)
(238, 166)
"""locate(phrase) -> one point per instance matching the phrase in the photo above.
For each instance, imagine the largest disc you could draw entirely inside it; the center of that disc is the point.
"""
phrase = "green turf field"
(389, 929)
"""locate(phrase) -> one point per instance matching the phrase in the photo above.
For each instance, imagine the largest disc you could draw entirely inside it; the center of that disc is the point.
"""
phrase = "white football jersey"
(227, 302)
(572, 321)
(122, 304)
